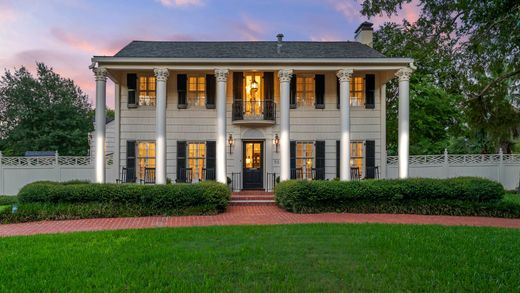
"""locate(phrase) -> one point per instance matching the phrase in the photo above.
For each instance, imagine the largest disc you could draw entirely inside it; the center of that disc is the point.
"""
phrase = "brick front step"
(252, 197)
(253, 192)
(252, 202)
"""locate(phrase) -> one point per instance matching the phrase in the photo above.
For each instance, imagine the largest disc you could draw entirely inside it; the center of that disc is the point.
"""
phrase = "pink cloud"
(348, 8)
(182, 3)
(75, 42)
(7, 13)
(250, 29)
(327, 37)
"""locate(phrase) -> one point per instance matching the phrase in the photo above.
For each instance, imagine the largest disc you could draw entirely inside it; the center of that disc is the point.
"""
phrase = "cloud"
(78, 43)
(181, 3)
(249, 29)
(348, 8)
(7, 14)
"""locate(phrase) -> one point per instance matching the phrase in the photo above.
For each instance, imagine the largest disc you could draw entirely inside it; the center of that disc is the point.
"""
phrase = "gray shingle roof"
(290, 49)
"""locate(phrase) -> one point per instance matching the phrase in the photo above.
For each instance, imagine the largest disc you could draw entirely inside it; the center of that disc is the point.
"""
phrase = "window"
(356, 156)
(196, 91)
(147, 91)
(196, 160)
(253, 106)
(145, 157)
(357, 91)
(304, 159)
(305, 91)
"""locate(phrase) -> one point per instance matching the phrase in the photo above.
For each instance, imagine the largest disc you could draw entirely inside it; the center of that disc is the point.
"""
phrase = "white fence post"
(446, 164)
(1, 176)
(57, 166)
(500, 165)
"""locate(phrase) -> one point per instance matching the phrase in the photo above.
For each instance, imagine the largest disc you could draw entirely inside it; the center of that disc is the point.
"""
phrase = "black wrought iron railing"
(318, 173)
(372, 172)
(184, 175)
(254, 110)
(354, 173)
(236, 181)
(208, 174)
(149, 176)
(271, 181)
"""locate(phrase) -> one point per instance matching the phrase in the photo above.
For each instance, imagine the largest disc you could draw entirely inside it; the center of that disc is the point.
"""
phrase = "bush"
(51, 200)
(320, 196)
(8, 200)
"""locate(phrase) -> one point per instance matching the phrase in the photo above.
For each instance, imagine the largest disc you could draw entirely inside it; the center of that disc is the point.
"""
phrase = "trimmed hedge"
(8, 199)
(74, 200)
(455, 196)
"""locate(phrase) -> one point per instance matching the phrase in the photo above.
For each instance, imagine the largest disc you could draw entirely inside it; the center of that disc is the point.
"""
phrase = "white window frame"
(356, 101)
(146, 100)
(146, 159)
(307, 103)
(306, 173)
(199, 95)
(195, 176)
(362, 156)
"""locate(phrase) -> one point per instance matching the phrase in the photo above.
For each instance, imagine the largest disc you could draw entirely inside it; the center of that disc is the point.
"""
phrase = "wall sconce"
(231, 142)
(276, 141)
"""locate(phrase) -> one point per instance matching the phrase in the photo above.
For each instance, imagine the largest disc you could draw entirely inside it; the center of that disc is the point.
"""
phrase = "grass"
(287, 258)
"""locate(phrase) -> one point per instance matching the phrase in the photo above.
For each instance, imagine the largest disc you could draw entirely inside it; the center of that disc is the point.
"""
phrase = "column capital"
(285, 75)
(221, 74)
(404, 73)
(161, 74)
(345, 75)
(100, 73)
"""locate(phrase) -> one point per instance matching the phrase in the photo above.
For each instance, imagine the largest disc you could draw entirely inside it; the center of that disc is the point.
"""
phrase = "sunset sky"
(65, 34)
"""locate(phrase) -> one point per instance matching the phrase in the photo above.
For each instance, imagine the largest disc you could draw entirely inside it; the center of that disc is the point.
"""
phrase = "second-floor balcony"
(261, 112)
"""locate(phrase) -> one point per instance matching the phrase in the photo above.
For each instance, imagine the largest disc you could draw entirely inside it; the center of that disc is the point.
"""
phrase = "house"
(252, 111)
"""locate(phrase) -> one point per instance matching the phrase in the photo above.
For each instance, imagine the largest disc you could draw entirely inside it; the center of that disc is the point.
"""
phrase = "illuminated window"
(196, 91)
(304, 159)
(253, 155)
(196, 159)
(356, 156)
(253, 106)
(357, 91)
(145, 158)
(147, 90)
(305, 91)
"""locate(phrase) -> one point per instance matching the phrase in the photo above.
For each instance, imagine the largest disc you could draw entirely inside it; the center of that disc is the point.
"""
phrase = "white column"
(404, 120)
(101, 83)
(221, 170)
(344, 76)
(161, 75)
(285, 144)
(382, 169)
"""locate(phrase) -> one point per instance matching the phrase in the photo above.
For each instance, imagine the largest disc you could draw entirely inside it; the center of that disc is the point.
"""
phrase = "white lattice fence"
(15, 172)
(504, 168)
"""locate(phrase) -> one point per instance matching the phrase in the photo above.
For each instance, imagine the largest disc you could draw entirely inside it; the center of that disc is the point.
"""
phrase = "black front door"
(253, 162)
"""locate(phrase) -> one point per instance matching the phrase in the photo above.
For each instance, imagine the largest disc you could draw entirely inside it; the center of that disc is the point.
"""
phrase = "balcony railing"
(254, 111)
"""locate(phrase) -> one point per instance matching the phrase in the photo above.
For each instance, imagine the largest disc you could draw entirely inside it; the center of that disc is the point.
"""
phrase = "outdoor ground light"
(276, 141)
(231, 142)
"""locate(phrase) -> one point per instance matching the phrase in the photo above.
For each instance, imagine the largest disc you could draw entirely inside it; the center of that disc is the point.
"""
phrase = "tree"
(42, 113)
(469, 48)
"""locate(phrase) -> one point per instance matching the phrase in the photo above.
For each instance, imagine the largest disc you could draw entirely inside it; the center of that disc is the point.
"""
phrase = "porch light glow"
(254, 85)
(231, 142)
(276, 141)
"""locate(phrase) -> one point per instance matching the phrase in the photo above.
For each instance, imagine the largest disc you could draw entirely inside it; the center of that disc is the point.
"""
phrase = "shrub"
(315, 196)
(51, 200)
(8, 200)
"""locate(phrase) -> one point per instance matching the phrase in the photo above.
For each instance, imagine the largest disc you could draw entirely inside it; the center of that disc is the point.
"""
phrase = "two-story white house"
(251, 111)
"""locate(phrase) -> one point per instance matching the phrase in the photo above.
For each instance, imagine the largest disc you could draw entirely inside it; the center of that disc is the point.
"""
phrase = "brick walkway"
(244, 215)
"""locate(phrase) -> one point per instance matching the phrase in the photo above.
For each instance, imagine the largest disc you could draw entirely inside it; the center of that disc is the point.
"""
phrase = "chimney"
(364, 34)
(279, 43)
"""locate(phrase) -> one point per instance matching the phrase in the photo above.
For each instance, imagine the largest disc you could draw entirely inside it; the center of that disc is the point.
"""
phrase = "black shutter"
(182, 83)
(210, 91)
(238, 91)
(370, 158)
(269, 86)
(131, 83)
(181, 161)
(337, 93)
(319, 90)
(320, 160)
(292, 93)
(211, 153)
(130, 161)
(337, 158)
(293, 160)
(370, 88)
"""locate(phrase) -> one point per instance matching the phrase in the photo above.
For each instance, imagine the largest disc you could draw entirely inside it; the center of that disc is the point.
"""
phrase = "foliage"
(41, 113)
(73, 200)
(277, 258)
(471, 51)
(8, 199)
(456, 196)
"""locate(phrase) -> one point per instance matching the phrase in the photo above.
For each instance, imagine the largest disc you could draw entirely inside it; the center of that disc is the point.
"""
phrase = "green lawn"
(288, 258)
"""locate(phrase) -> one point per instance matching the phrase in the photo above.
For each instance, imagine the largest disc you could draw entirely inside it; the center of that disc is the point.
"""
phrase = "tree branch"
(494, 81)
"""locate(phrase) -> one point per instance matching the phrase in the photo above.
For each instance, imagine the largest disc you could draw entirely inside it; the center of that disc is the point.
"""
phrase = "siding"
(199, 124)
